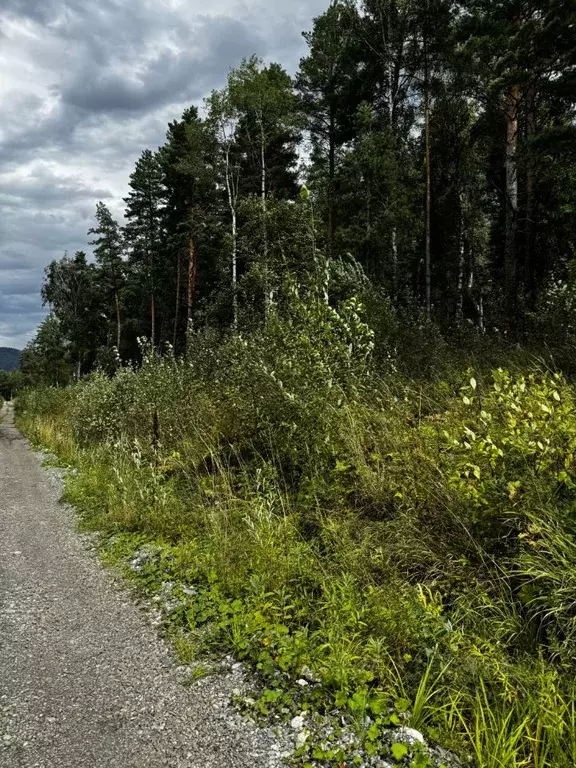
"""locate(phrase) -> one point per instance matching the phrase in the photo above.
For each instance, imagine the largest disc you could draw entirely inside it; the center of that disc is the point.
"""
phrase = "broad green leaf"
(399, 750)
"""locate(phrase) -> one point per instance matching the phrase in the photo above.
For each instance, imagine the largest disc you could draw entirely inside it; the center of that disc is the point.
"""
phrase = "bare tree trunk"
(394, 249)
(234, 270)
(461, 263)
(232, 190)
(268, 293)
(150, 241)
(462, 259)
(428, 182)
(391, 121)
(529, 266)
(478, 305)
(192, 267)
(118, 321)
(331, 174)
(177, 299)
(510, 267)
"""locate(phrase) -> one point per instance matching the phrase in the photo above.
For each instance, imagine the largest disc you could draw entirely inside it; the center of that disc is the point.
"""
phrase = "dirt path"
(84, 680)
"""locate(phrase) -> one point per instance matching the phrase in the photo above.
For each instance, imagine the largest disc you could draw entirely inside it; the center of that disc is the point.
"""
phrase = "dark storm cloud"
(43, 190)
(14, 260)
(169, 76)
(38, 10)
(86, 85)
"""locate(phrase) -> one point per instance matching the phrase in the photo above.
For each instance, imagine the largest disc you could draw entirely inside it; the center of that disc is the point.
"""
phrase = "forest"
(426, 150)
(319, 380)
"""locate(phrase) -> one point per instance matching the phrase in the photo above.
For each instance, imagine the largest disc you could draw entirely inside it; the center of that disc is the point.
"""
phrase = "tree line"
(430, 144)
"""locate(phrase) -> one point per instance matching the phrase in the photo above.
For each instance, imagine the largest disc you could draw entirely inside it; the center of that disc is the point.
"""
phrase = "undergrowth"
(396, 550)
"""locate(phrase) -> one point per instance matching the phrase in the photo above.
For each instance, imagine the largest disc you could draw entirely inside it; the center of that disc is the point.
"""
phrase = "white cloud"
(85, 87)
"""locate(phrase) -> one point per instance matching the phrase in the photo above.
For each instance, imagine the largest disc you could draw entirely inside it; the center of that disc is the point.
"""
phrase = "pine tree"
(330, 90)
(144, 233)
(522, 58)
(191, 212)
(108, 253)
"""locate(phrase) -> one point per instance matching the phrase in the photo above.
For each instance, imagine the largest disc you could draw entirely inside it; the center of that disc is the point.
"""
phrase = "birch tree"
(262, 98)
(223, 117)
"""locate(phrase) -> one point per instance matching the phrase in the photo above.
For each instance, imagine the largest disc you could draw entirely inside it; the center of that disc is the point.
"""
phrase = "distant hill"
(9, 358)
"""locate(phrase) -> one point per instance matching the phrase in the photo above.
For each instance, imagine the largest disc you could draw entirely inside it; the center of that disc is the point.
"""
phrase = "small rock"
(410, 735)
(310, 675)
(297, 723)
(301, 738)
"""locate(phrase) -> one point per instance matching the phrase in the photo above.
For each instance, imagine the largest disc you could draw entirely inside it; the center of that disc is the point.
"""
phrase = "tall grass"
(409, 543)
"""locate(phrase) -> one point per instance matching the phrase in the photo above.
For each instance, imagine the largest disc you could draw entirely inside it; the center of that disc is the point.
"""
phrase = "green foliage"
(354, 497)
(46, 360)
(417, 115)
(11, 382)
(406, 549)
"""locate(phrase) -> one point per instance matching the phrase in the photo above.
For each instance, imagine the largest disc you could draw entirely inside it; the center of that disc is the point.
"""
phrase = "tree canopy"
(436, 144)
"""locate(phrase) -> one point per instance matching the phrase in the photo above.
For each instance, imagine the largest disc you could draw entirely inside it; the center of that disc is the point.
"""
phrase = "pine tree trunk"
(177, 300)
(153, 319)
(510, 266)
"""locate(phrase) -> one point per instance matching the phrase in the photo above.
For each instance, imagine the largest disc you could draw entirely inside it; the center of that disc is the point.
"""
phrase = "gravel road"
(85, 681)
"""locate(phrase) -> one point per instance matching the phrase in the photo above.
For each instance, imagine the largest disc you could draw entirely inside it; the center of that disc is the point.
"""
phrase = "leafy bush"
(412, 544)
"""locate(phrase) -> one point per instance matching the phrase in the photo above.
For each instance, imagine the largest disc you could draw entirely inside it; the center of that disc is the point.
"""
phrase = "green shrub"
(412, 543)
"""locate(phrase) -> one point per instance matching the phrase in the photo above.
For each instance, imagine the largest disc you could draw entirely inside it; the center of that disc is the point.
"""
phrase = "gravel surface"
(85, 681)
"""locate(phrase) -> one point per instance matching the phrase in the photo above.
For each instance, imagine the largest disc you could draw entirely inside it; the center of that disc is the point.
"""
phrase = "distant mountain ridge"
(9, 358)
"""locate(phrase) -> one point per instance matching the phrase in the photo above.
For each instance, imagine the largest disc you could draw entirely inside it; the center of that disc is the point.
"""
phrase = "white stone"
(411, 735)
(297, 723)
(301, 738)
(310, 675)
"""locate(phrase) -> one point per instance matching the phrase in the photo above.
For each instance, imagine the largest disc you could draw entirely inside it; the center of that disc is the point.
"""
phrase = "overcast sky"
(85, 86)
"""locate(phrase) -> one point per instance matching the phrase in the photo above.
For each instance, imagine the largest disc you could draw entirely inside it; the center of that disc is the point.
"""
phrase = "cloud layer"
(85, 87)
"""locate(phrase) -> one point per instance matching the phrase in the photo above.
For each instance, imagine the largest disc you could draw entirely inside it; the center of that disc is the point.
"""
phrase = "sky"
(85, 86)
